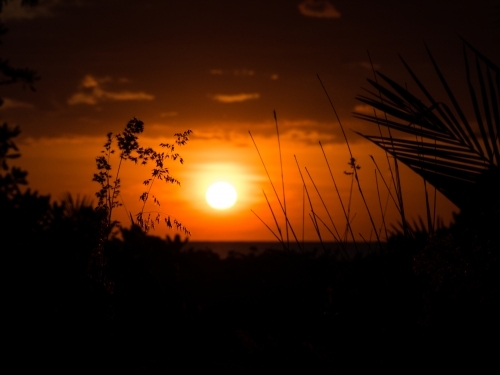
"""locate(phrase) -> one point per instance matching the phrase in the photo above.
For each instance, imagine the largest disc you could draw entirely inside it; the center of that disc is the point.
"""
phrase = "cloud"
(366, 109)
(91, 92)
(318, 9)
(90, 81)
(236, 98)
(127, 95)
(274, 77)
(363, 108)
(306, 123)
(11, 103)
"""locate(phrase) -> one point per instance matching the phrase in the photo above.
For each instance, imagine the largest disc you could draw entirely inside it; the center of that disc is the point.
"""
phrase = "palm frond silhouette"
(457, 156)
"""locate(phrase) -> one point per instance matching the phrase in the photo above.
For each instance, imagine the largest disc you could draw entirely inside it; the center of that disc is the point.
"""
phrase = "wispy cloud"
(363, 108)
(318, 9)
(306, 131)
(92, 92)
(306, 123)
(236, 98)
(366, 109)
(11, 103)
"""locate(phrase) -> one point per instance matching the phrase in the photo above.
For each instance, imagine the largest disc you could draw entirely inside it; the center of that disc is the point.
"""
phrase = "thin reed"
(435, 140)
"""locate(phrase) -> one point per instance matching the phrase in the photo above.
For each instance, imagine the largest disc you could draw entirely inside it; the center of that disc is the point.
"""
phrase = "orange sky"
(65, 165)
(220, 69)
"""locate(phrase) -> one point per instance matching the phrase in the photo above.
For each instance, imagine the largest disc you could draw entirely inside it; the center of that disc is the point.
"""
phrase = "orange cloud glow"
(11, 103)
(236, 98)
(92, 93)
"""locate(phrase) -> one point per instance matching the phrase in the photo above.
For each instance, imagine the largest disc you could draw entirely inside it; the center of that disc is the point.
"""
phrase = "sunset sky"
(220, 68)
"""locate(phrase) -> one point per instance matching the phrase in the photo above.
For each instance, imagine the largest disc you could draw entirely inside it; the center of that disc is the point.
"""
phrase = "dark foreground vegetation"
(82, 296)
(148, 304)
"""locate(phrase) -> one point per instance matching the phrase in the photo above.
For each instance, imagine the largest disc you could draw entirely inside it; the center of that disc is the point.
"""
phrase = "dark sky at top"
(223, 62)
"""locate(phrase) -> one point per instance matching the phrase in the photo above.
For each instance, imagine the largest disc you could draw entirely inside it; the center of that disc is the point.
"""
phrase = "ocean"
(226, 248)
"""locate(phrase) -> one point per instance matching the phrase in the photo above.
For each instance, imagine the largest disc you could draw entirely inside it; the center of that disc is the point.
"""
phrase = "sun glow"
(221, 195)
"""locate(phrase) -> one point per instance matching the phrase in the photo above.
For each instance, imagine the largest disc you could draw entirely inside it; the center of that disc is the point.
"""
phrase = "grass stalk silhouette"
(279, 201)
(382, 211)
(314, 217)
(444, 151)
(336, 236)
(312, 214)
(338, 194)
(394, 171)
(352, 163)
(282, 176)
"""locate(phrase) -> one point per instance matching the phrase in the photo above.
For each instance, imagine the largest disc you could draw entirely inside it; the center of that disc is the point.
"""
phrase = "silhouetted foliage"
(129, 149)
(436, 140)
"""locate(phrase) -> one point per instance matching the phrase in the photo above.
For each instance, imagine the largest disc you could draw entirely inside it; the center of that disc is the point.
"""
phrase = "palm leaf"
(436, 140)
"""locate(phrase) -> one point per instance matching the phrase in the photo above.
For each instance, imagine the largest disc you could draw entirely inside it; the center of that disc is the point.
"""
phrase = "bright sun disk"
(221, 195)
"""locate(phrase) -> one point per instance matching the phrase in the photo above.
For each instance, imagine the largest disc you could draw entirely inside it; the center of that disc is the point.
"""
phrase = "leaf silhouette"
(436, 140)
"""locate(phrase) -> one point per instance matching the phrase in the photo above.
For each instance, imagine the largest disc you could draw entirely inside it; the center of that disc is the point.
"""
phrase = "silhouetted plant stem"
(147, 194)
(116, 184)
(349, 208)
(434, 209)
(274, 217)
(316, 227)
(395, 180)
(282, 177)
(385, 183)
(399, 194)
(430, 224)
(324, 204)
(378, 123)
(352, 160)
(365, 241)
(275, 192)
(381, 209)
(368, 210)
(338, 194)
(270, 230)
(336, 115)
(336, 238)
(303, 212)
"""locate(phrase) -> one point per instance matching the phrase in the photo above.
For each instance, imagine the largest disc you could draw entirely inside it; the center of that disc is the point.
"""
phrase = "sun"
(221, 195)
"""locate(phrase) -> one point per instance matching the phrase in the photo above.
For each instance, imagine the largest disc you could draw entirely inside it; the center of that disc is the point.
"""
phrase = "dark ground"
(155, 305)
